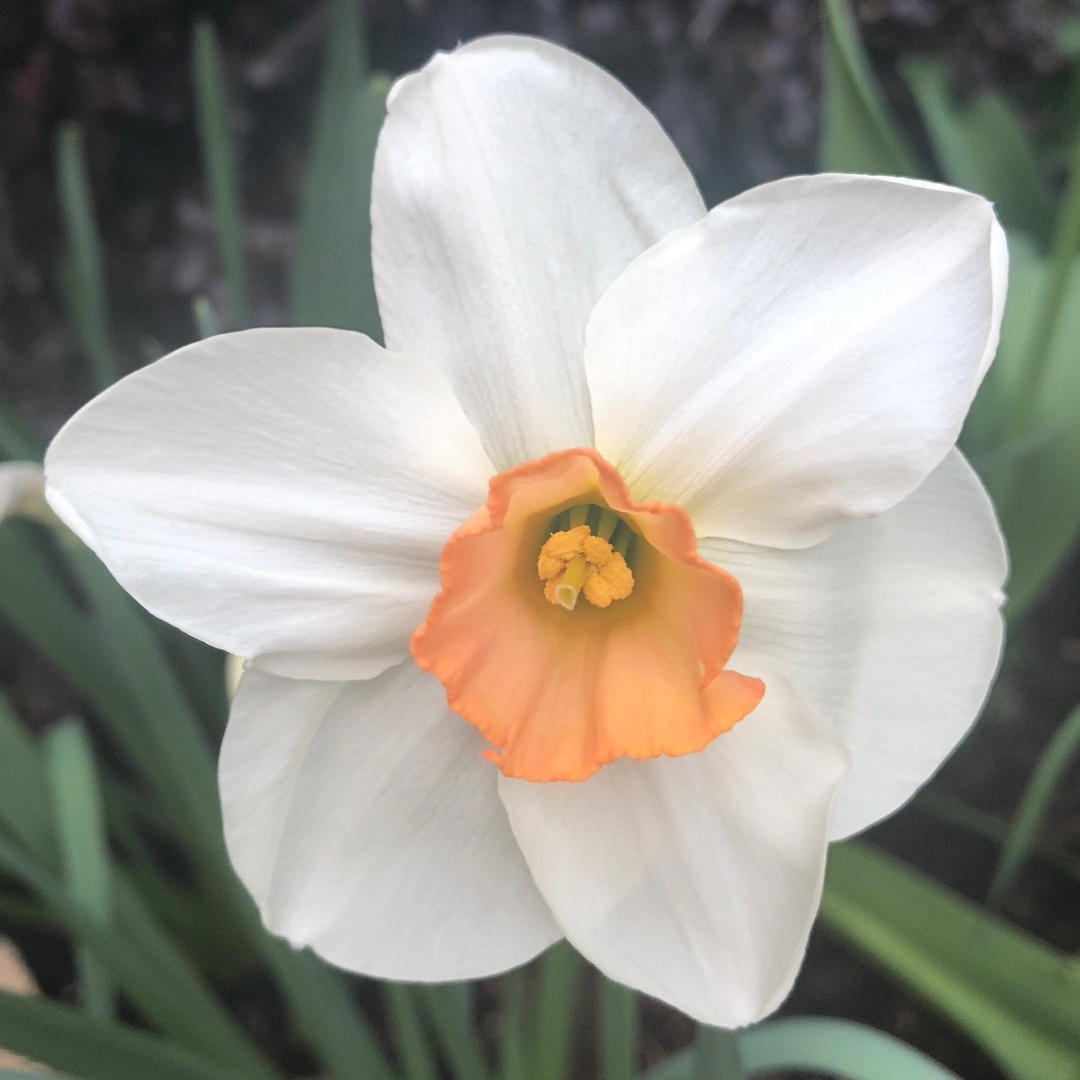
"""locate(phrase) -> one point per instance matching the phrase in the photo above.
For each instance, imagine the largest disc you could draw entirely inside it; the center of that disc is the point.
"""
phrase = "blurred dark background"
(736, 82)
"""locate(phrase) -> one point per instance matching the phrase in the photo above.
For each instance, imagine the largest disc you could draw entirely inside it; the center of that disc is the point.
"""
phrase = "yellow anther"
(575, 561)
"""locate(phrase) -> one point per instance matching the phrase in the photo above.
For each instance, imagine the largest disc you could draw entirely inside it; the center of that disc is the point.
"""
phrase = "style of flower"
(638, 566)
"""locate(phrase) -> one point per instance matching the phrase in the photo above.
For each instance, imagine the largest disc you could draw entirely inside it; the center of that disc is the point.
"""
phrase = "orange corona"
(560, 688)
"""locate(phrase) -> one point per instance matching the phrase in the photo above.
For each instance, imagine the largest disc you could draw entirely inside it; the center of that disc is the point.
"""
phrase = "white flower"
(782, 378)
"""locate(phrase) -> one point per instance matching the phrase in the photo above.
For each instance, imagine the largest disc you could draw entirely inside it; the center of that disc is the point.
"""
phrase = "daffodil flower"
(638, 566)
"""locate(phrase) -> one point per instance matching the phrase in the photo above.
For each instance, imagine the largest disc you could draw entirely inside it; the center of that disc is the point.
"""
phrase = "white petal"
(513, 181)
(366, 824)
(276, 492)
(805, 354)
(694, 879)
(891, 628)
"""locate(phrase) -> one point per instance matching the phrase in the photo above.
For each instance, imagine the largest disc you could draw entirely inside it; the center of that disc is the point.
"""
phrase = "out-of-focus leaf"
(17, 441)
(82, 276)
(716, 1054)
(837, 1047)
(551, 1028)
(857, 132)
(24, 806)
(407, 1035)
(512, 1028)
(1041, 787)
(144, 965)
(332, 283)
(85, 1046)
(455, 1033)
(1036, 492)
(618, 1031)
(954, 812)
(85, 856)
(326, 1013)
(219, 165)
(980, 145)
(1014, 996)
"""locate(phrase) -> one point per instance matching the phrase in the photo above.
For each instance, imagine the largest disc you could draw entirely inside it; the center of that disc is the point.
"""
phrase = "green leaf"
(82, 277)
(837, 1047)
(179, 757)
(858, 134)
(455, 1032)
(551, 1028)
(1013, 995)
(75, 1042)
(327, 1014)
(512, 1027)
(24, 805)
(618, 1031)
(980, 145)
(81, 828)
(1042, 784)
(219, 165)
(35, 604)
(407, 1034)
(994, 829)
(14, 1074)
(716, 1054)
(17, 441)
(1036, 492)
(332, 283)
(144, 965)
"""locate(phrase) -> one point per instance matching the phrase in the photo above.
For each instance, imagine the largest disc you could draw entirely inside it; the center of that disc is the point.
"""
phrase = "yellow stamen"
(575, 561)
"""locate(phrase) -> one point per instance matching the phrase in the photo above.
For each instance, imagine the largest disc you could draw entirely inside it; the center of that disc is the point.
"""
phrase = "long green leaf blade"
(836, 1047)
(1018, 998)
(858, 134)
(24, 806)
(455, 1032)
(144, 965)
(219, 165)
(327, 1014)
(716, 1055)
(17, 441)
(85, 281)
(981, 146)
(407, 1034)
(1043, 783)
(82, 1045)
(618, 1030)
(332, 283)
(83, 846)
(551, 1030)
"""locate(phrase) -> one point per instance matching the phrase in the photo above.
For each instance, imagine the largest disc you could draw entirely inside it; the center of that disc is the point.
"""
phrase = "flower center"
(586, 553)
(636, 671)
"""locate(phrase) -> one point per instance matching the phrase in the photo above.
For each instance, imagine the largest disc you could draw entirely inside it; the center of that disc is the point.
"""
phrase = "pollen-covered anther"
(576, 561)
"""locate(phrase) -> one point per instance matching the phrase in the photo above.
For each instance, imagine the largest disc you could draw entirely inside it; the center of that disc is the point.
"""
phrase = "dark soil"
(736, 82)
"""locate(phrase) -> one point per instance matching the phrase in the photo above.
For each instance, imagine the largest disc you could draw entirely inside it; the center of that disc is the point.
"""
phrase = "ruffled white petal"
(365, 823)
(694, 879)
(891, 628)
(804, 355)
(513, 181)
(283, 494)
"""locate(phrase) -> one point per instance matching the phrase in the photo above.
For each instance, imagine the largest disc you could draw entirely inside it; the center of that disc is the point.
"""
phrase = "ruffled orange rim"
(560, 693)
